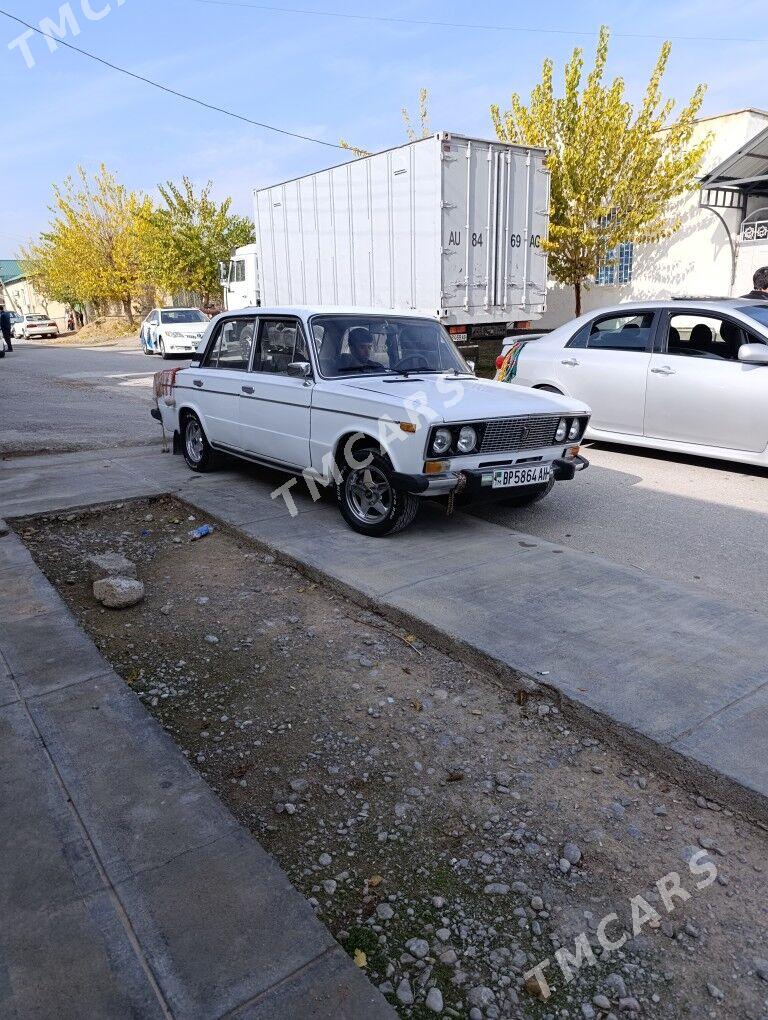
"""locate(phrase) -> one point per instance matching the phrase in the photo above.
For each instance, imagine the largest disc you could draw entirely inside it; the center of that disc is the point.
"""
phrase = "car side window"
(704, 336)
(629, 332)
(231, 347)
(281, 341)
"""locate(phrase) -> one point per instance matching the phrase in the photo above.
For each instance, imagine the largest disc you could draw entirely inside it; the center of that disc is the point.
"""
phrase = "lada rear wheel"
(198, 452)
(368, 501)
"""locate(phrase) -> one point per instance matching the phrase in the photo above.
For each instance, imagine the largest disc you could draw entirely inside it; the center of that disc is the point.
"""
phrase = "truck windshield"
(349, 345)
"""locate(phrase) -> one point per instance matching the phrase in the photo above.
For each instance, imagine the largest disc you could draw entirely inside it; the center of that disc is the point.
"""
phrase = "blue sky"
(327, 77)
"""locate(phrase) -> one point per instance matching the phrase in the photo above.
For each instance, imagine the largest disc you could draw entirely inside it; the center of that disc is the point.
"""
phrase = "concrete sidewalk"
(127, 889)
(678, 674)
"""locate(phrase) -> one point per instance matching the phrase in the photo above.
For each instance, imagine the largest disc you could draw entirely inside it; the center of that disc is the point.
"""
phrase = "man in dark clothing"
(5, 329)
(759, 284)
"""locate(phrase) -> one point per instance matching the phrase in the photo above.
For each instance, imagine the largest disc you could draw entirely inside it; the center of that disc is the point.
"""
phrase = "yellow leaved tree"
(90, 252)
(615, 171)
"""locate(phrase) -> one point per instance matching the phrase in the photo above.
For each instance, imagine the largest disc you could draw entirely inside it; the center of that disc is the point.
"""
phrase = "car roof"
(724, 304)
(302, 311)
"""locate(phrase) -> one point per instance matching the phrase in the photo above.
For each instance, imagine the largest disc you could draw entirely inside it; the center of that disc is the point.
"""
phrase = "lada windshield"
(349, 345)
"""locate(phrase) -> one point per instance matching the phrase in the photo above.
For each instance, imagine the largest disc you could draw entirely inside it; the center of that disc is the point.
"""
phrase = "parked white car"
(34, 325)
(686, 376)
(168, 331)
(383, 405)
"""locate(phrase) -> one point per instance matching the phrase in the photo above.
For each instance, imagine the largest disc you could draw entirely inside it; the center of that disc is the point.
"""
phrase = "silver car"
(690, 376)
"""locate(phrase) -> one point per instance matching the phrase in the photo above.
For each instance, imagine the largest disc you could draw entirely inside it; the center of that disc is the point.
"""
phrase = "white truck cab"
(240, 279)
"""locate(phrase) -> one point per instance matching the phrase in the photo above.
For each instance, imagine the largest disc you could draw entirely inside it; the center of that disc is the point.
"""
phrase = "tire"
(530, 496)
(198, 453)
(161, 350)
(395, 509)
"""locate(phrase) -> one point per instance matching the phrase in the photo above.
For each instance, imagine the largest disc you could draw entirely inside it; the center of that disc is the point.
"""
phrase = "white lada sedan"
(690, 376)
(383, 407)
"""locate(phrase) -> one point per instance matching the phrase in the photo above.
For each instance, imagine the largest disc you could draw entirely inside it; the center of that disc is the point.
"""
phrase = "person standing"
(5, 328)
(759, 285)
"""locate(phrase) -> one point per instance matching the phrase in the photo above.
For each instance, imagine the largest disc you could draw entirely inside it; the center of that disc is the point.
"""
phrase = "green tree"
(182, 243)
(615, 172)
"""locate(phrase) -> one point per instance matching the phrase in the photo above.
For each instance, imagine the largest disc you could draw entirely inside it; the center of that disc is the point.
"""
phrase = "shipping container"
(446, 226)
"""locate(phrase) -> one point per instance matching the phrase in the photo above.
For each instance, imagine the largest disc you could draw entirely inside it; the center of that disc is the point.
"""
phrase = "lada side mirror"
(300, 369)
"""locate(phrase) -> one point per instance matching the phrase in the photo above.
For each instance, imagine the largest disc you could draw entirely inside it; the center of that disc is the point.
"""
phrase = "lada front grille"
(528, 432)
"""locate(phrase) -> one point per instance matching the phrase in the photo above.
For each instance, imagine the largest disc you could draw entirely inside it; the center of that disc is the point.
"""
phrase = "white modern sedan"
(689, 376)
(168, 331)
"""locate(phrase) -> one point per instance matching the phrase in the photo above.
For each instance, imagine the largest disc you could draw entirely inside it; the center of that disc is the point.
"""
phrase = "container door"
(466, 245)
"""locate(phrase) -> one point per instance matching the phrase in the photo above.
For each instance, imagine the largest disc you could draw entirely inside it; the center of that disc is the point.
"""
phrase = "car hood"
(188, 328)
(463, 398)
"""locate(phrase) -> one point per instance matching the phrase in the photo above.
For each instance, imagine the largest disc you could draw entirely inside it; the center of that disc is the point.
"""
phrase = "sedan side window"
(232, 345)
(620, 333)
(280, 343)
(704, 336)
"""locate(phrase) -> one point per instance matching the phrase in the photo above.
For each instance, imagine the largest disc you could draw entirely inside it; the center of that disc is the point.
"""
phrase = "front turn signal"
(435, 467)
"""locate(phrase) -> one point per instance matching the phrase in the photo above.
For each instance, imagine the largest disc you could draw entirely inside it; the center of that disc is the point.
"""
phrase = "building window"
(616, 267)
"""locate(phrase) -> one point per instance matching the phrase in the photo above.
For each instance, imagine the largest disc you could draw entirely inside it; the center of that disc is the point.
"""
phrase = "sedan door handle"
(197, 382)
(666, 370)
(569, 361)
(247, 389)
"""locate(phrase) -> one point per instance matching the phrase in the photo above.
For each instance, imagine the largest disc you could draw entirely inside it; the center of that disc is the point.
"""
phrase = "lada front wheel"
(368, 501)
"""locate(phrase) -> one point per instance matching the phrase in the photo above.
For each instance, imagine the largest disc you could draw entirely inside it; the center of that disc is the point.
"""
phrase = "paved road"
(64, 398)
(689, 520)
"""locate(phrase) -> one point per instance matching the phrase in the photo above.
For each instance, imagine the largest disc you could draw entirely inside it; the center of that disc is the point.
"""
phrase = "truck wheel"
(368, 501)
(198, 452)
(531, 496)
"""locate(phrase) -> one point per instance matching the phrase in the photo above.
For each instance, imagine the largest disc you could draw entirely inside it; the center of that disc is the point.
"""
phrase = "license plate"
(536, 474)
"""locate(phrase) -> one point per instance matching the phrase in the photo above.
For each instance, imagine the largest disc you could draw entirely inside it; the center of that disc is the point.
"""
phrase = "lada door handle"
(665, 370)
(247, 389)
(569, 361)
(197, 382)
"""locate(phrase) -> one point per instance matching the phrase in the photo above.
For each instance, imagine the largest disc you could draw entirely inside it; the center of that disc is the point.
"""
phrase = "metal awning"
(746, 170)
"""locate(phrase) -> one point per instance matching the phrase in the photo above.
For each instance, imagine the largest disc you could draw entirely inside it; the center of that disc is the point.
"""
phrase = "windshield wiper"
(360, 368)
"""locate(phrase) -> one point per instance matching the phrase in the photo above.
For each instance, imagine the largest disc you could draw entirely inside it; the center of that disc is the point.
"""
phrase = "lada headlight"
(441, 441)
(562, 430)
(467, 440)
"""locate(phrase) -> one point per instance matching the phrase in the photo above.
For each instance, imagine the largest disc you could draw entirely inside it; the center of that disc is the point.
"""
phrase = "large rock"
(118, 592)
(110, 564)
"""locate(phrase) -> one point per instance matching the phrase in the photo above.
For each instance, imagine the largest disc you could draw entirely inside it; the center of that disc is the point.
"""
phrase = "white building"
(722, 239)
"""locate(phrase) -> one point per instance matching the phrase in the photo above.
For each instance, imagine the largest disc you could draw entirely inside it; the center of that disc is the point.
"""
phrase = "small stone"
(202, 600)
(325, 860)
(629, 1004)
(448, 957)
(481, 996)
(587, 1011)
(385, 912)
(443, 934)
(714, 991)
(564, 865)
(290, 809)
(211, 639)
(438, 902)
(434, 1000)
(496, 889)
(404, 993)
(118, 592)
(417, 947)
(537, 903)
(571, 853)
(329, 885)
(615, 983)
(299, 785)
(601, 1001)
